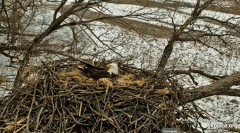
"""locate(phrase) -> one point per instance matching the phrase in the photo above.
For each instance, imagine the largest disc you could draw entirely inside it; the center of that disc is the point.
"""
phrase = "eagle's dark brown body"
(98, 73)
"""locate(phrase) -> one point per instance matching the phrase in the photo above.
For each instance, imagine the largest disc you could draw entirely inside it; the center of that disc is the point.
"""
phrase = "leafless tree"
(21, 44)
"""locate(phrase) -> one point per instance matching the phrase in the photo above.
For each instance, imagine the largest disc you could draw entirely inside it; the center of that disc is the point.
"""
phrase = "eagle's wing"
(95, 73)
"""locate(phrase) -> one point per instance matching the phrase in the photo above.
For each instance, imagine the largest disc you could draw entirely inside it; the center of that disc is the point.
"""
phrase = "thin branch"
(58, 8)
(200, 72)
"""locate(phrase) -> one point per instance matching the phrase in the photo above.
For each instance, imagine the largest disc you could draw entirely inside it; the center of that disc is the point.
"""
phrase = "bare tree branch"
(219, 87)
(175, 37)
(231, 92)
(200, 72)
(53, 26)
(58, 8)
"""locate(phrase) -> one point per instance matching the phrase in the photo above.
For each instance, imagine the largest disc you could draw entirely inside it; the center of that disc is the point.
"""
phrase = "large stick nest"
(48, 105)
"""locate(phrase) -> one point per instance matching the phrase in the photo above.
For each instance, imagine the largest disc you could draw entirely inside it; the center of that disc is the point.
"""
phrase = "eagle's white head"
(113, 68)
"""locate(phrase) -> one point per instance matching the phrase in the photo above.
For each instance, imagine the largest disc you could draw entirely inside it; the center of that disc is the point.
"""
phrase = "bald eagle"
(103, 76)
(98, 73)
